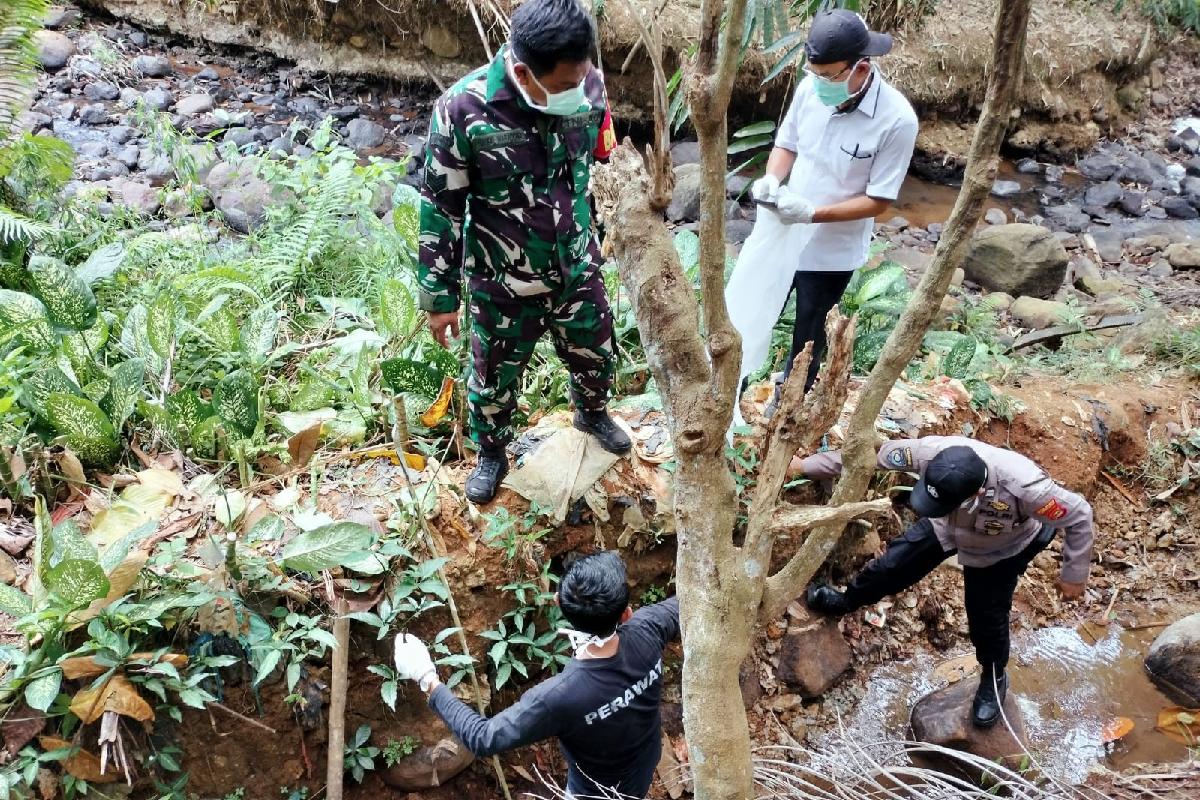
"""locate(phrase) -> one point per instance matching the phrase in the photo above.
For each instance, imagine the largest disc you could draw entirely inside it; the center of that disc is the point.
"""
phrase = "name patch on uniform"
(493, 141)
(440, 140)
(993, 526)
(581, 120)
(901, 457)
(1053, 510)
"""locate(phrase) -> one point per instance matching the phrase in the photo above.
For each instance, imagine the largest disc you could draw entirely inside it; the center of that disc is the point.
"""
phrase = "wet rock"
(1156, 212)
(428, 767)
(140, 197)
(240, 137)
(92, 149)
(345, 112)
(54, 49)
(306, 106)
(1103, 195)
(1184, 255)
(686, 152)
(159, 99)
(101, 90)
(87, 67)
(93, 114)
(152, 66)
(1161, 269)
(1069, 217)
(107, 170)
(1173, 661)
(129, 155)
(995, 216)
(208, 74)
(943, 718)
(282, 145)
(1019, 259)
(685, 201)
(129, 97)
(737, 231)
(57, 17)
(120, 134)
(1035, 313)
(1179, 208)
(1006, 188)
(1190, 189)
(1054, 173)
(194, 105)
(812, 658)
(240, 195)
(1109, 245)
(1193, 166)
(157, 168)
(1138, 169)
(363, 134)
(1133, 203)
(1098, 167)
(1029, 166)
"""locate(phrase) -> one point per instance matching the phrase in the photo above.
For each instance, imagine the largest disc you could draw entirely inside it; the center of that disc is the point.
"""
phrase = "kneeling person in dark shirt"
(603, 706)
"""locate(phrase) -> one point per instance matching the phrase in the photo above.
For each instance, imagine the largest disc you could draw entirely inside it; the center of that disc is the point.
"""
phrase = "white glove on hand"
(765, 188)
(792, 208)
(412, 659)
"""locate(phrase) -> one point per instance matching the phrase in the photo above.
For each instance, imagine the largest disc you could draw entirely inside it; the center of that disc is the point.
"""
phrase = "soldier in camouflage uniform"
(505, 201)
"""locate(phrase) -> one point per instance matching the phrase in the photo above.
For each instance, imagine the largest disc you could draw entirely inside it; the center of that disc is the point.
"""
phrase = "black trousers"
(989, 590)
(816, 294)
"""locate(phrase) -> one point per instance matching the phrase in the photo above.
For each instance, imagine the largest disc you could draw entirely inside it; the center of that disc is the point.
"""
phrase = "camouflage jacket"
(505, 191)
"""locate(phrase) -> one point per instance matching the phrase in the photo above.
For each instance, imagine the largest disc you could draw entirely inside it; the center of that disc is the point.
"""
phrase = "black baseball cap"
(841, 35)
(951, 478)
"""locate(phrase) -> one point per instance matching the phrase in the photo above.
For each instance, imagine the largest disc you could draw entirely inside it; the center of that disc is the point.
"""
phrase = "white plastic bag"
(759, 286)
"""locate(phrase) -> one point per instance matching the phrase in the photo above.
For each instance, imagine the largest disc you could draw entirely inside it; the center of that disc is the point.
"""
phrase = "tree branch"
(858, 452)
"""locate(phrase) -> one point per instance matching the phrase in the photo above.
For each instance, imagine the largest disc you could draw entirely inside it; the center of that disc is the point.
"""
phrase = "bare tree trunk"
(858, 452)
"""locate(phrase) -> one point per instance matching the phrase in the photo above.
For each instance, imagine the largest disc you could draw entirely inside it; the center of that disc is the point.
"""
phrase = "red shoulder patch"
(606, 142)
(1053, 510)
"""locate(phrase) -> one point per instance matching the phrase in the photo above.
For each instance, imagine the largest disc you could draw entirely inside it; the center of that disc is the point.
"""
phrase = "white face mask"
(582, 642)
(559, 104)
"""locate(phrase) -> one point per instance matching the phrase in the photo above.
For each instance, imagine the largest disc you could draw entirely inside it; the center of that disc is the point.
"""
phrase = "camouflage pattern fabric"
(504, 333)
(505, 192)
(505, 200)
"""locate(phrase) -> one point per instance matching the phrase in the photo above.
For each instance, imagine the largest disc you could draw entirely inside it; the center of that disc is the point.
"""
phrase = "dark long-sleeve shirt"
(604, 711)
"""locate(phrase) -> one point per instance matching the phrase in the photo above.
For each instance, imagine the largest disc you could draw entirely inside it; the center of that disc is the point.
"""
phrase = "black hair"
(593, 594)
(548, 32)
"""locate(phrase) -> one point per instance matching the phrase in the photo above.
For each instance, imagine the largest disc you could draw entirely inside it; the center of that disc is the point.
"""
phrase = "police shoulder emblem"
(1052, 510)
(901, 457)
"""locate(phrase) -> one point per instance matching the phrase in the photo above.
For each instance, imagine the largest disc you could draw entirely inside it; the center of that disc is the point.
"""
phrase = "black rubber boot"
(989, 698)
(485, 479)
(607, 432)
(827, 601)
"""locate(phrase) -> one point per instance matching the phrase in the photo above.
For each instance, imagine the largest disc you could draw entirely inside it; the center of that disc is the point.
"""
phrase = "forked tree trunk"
(724, 588)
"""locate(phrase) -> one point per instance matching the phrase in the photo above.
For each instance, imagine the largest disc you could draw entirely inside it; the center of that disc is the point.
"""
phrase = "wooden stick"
(244, 718)
(487, 48)
(335, 772)
(1120, 487)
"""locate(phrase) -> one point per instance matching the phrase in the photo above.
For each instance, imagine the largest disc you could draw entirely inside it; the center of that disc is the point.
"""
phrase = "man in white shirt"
(843, 150)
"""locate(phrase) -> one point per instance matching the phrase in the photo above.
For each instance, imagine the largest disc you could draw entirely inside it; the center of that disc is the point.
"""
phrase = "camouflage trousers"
(504, 332)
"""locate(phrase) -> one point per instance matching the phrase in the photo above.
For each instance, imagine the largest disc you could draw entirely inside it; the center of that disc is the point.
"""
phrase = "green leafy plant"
(360, 756)
(397, 749)
(519, 644)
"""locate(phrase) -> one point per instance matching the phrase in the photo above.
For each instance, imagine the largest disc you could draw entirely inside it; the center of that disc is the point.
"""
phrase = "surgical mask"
(582, 642)
(833, 93)
(559, 104)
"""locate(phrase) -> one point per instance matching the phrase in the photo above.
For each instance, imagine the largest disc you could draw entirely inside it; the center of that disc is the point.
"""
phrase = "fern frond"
(14, 227)
(19, 19)
(285, 254)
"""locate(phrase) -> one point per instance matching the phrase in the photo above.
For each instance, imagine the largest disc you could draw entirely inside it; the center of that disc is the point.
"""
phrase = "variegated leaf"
(87, 430)
(69, 301)
(68, 543)
(187, 410)
(102, 263)
(258, 334)
(24, 316)
(77, 582)
(161, 323)
(327, 547)
(236, 402)
(97, 390)
(127, 379)
(45, 382)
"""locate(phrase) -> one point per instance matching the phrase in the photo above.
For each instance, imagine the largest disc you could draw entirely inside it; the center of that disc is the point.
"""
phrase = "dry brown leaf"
(1180, 724)
(19, 729)
(71, 468)
(415, 461)
(1116, 728)
(80, 764)
(165, 481)
(116, 694)
(302, 446)
(47, 783)
(433, 415)
(86, 666)
(120, 581)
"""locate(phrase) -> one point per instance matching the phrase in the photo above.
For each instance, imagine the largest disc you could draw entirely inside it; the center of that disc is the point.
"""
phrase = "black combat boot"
(989, 697)
(827, 601)
(485, 479)
(608, 433)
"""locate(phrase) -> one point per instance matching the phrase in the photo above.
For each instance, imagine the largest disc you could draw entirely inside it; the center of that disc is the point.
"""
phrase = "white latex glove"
(765, 188)
(792, 208)
(412, 659)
